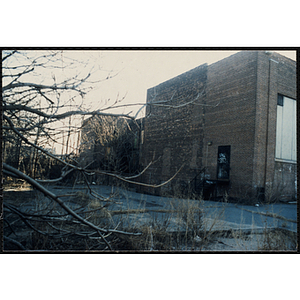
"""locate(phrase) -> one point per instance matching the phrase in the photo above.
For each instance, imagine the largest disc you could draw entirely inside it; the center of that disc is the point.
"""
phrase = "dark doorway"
(223, 167)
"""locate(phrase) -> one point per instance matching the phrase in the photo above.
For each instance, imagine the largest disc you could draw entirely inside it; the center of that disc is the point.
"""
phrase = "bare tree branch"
(140, 183)
(8, 55)
(36, 97)
(60, 116)
(64, 174)
(43, 87)
(14, 242)
(59, 201)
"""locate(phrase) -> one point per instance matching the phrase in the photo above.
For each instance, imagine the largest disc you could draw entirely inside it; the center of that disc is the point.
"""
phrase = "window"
(286, 129)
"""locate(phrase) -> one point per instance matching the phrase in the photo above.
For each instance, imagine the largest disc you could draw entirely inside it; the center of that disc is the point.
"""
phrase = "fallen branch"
(51, 195)
(14, 242)
(268, 214)
(140, 211)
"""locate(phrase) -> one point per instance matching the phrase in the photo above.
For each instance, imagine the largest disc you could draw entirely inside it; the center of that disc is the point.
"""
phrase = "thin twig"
(14, 242)
(49, 194)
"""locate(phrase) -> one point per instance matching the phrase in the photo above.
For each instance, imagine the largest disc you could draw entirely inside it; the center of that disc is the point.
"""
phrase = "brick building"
(232, 123)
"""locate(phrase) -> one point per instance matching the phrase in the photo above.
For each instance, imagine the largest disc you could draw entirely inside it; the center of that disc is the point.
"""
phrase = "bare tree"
(111, 143)
(36, 101)
(33, 103)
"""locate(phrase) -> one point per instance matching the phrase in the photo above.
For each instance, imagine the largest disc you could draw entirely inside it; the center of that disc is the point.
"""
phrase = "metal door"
(223, 167)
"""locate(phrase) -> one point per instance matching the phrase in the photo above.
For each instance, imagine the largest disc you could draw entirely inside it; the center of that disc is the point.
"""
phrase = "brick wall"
(276, 74)
(284, 184)
(237, 108)
(230, 120)
(173, 133)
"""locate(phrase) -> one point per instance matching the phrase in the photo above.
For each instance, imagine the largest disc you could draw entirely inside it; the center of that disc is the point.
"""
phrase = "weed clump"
(278, 239)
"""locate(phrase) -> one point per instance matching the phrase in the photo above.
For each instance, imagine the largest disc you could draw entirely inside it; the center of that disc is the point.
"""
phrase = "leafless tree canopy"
(39, 110)
(43, 97)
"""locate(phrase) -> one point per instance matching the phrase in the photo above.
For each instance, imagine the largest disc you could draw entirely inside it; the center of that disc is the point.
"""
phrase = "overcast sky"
(137, 71)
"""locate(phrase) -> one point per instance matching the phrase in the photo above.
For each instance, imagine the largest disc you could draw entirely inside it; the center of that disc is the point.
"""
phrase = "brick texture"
(236, 106)
(174, 132)
(231, 119)
(276, 74)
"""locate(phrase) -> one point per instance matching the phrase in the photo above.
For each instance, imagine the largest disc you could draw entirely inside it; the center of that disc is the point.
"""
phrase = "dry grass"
(278, 240)
(183, 226)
